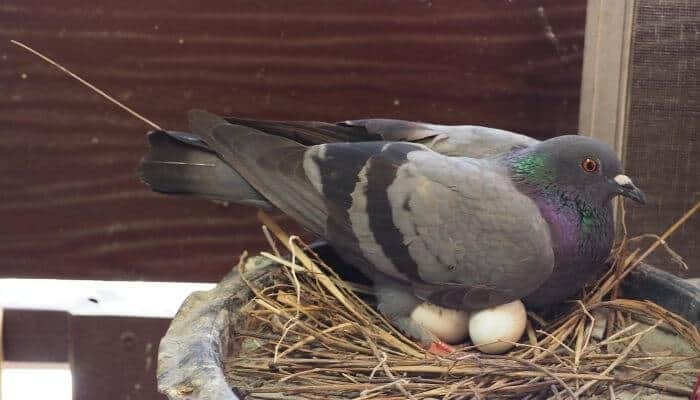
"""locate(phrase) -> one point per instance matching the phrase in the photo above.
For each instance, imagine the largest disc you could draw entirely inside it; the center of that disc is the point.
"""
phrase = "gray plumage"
(457, 216)
(175, 165)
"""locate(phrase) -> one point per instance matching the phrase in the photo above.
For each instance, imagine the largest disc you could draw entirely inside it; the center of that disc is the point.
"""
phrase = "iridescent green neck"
(532, 168)
(575, 222)
(589, 217)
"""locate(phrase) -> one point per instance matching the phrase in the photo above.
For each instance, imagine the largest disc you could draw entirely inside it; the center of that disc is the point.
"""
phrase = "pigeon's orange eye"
(589, 165)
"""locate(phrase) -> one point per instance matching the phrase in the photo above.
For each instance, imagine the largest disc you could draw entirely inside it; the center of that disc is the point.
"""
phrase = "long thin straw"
(88, 84)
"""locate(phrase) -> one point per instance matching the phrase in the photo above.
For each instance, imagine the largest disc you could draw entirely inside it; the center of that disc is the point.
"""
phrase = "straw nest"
(308, 334)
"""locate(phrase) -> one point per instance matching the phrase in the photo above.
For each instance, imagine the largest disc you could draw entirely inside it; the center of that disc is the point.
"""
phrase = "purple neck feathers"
(564, 225)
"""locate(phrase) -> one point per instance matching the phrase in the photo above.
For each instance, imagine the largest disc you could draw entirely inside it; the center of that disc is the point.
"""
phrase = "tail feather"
(180, 163)
(273, 165)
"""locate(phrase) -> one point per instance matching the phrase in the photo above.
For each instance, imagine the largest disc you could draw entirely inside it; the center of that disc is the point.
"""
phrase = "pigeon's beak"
(626, 188)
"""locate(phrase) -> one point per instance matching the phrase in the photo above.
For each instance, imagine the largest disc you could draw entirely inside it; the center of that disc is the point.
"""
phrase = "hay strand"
(87, 84)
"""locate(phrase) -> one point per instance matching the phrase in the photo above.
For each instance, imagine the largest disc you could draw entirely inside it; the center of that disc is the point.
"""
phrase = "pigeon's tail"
(274, 166)
(180, 163)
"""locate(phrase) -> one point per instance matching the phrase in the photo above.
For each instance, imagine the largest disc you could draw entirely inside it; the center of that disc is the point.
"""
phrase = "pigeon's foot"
(416, 331)
(440, 348)
(399, 306)
(396, 302)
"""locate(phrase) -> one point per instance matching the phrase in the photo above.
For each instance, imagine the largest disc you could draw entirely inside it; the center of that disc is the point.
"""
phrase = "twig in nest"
(381, 356)
(310, 338)
(664, 365)
(659, 241)
(270, 241)
(619, 359)
(324, 279)
(543, 369)
(674, 256)
(308, 264)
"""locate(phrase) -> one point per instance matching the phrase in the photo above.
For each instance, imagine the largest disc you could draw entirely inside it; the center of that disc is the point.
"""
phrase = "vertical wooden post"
(606, 57)
(638, 93)
(114, 358)
(604, 84)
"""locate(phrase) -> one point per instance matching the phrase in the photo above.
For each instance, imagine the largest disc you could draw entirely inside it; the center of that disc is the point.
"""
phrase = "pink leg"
(440, 348)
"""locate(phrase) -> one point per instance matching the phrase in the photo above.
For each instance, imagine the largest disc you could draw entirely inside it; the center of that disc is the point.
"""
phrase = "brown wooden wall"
(71, 205)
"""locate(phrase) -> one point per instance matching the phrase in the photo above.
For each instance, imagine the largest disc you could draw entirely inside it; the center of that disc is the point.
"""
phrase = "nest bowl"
(273, 329)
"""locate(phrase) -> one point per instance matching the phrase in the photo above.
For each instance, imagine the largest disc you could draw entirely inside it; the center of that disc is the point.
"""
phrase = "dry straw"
(308, 334)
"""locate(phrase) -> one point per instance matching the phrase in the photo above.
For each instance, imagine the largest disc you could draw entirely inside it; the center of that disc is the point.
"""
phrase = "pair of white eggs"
(492, 330)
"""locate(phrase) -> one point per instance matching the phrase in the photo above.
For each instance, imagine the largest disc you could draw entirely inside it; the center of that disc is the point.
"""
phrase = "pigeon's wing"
(309, 132)
(312, 184)
(455, 229)
(396, 130)
(476, 241)
(465, 140)
(458, 140)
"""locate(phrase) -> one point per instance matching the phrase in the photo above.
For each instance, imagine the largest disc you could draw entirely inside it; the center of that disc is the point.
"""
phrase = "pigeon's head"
(578, 165)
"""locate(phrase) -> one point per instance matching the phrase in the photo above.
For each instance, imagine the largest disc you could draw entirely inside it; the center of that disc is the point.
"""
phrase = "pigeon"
(460, 217)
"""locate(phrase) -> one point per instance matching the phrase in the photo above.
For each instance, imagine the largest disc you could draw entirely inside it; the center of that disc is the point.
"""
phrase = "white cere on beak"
(505, 322)
(623, 180)
(450, 326)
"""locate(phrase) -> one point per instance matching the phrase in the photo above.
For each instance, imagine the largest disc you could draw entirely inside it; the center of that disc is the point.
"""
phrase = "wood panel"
(71, 205)
(663, 146)
(603, 110)
(110, 357)
(114, 358)
(35, 336)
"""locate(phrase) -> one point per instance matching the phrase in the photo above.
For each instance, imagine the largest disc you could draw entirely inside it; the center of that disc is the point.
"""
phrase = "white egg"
(450, 326)
(504, 322)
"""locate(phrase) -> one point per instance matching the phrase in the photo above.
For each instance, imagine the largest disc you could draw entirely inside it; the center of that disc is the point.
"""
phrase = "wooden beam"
(604, 85)
(114, 358)
(35, 336)
(110, 357)
(98, 298)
